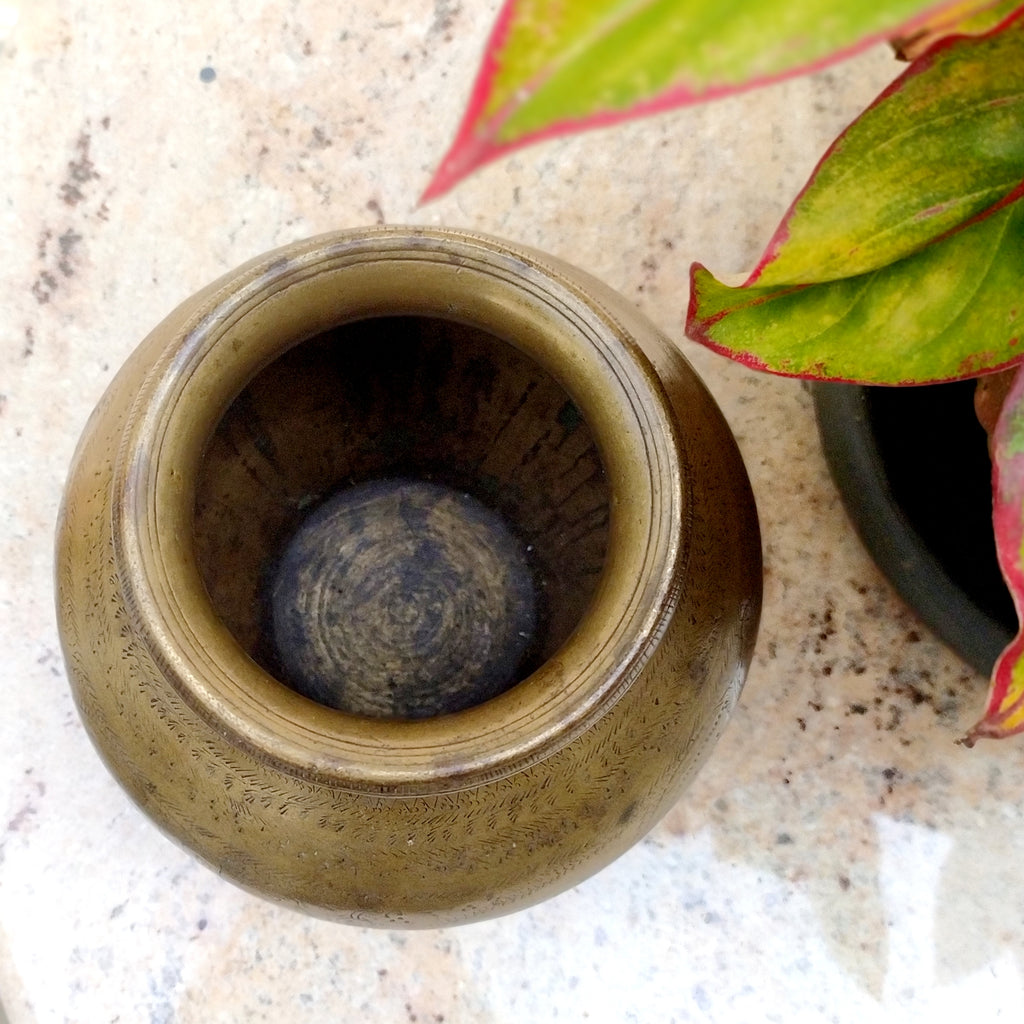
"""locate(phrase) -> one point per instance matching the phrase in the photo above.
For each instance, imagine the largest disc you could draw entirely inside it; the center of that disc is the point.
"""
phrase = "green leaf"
(952, 310)
(942, 144)
(1004, 711)
(560, 65)
(959, 19)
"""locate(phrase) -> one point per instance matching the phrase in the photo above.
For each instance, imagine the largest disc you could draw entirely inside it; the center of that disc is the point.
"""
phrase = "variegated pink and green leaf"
(902, 261)
(1004, 712)
(944, 143)
(556, 66)
(955, 309)
(959, 19)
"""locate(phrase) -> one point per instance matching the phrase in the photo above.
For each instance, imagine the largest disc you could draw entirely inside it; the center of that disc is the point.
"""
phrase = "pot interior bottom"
(403, 599)
(402, 517)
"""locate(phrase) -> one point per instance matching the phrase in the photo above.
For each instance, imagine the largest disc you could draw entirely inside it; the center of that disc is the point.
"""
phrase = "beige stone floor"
(827, 865)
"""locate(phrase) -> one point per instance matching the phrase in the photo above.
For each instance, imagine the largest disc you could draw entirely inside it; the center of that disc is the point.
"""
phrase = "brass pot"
(407, 354)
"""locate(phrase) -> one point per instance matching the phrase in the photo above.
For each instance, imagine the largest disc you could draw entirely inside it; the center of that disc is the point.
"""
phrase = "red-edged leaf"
(955, 309)
(555, 66)
(960, 19)
(902, 261)
(1004, 712)
(942, 144)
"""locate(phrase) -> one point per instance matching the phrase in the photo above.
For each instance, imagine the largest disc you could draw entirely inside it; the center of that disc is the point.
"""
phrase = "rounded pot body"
(461, 360)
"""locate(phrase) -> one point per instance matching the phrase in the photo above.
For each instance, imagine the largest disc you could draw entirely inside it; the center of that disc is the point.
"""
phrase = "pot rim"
(217, 342)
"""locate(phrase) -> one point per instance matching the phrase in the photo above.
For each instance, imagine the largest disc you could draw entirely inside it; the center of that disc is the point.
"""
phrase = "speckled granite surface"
(839, 859)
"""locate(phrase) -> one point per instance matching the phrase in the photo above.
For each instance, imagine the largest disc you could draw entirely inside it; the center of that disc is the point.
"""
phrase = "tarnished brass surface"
(166, 537)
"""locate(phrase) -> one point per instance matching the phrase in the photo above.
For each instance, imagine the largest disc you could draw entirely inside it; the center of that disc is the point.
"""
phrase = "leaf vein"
(909, 133)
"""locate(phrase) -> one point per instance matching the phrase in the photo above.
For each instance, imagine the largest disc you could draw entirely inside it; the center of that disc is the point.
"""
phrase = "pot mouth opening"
(437, 449)
(401, 517)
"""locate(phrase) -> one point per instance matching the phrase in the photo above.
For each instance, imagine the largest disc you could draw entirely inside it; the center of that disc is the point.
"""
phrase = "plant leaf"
(941, 145)
(1004, 711)
(952, 310)
(959, 19)
(555, 66)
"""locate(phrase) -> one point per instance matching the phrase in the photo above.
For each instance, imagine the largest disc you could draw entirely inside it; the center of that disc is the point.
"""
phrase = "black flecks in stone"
(858, 709)
(891, 775)
(207, 75)
(823, 626)
(80, 172)
(43, 287)
(783, 839)
(445, 14)
(68, 243)
(895, 719)
(906, 688)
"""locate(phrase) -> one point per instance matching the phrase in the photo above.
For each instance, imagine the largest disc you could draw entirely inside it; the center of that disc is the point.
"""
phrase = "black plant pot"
(912, 467)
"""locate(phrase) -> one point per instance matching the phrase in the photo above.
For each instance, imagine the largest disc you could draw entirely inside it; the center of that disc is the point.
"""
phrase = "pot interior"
(461, 431)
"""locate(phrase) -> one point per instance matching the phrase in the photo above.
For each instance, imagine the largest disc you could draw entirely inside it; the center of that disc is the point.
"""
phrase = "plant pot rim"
(859, 470)
(243, 322)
